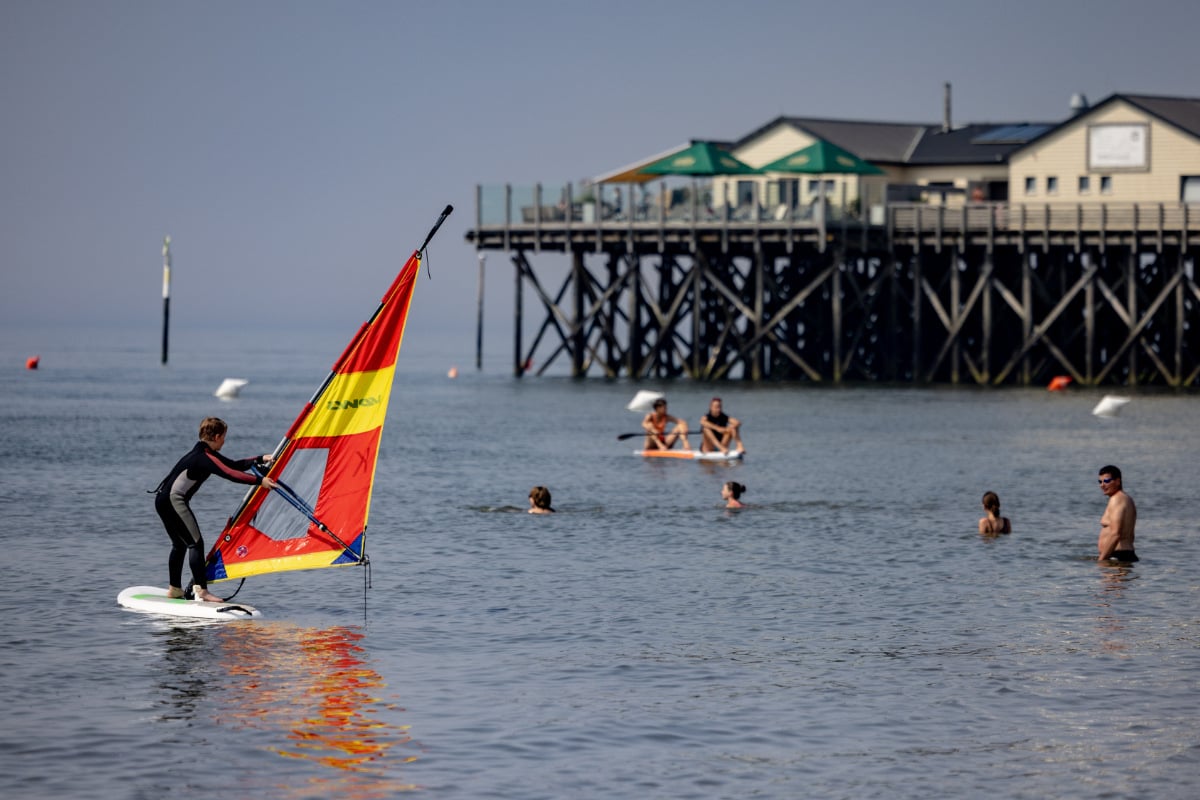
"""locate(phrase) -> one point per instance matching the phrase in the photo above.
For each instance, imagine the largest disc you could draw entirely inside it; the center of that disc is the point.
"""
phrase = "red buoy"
(1059, 382)
(32, 362)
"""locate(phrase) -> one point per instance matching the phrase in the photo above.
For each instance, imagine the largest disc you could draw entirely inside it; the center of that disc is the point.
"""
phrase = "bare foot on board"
(205, 595)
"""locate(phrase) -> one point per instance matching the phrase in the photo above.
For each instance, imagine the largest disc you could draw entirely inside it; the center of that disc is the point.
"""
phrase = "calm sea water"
(848, 635)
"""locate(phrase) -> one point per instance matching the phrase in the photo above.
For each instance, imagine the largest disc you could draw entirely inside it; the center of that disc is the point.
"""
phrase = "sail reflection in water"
(313, 687)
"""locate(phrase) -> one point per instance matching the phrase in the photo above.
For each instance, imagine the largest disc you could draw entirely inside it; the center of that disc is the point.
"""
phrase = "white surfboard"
(154, 600)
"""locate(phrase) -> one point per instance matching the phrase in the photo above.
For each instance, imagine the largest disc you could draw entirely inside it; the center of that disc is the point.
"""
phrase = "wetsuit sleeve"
(232, 470)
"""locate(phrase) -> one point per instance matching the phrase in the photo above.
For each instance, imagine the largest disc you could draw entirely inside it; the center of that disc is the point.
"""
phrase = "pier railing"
(590, 211)
(987, 293)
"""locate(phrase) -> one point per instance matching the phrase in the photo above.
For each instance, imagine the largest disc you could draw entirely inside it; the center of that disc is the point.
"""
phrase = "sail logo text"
(361, 402)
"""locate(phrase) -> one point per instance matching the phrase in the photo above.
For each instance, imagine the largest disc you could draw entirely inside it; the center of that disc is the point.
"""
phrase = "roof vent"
(1079, 103)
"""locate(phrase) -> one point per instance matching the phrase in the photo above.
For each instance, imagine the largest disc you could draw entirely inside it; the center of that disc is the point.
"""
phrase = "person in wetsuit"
(1120, 517)
(172, 496)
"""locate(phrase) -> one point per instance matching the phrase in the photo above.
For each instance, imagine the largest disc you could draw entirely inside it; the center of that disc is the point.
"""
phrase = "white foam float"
(230, 387)
(643, 401)
(1110, 405)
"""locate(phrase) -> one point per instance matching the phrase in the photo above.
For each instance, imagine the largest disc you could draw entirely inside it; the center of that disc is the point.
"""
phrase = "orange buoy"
(1059, 382)
(453, 373)
(32, 362)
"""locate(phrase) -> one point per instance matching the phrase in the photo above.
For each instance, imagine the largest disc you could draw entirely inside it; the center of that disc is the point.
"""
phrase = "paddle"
(623, 436)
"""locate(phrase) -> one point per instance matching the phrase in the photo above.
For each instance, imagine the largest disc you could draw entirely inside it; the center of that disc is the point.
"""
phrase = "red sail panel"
(327, 459)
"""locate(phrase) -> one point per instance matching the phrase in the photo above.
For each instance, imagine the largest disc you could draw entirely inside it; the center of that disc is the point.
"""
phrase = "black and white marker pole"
(166, 293)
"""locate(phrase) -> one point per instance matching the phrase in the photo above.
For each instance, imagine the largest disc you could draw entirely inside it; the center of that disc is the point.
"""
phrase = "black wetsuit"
(171, 502)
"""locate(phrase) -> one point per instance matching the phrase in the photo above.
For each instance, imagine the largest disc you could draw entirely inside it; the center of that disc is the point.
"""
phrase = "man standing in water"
(1120, 516)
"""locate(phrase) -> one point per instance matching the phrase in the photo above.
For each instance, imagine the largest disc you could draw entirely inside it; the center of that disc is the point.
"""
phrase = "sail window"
(276, 518)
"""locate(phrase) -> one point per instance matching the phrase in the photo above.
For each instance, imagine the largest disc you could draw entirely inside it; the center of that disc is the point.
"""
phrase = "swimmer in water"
(730, 493)
(539, 500)
(993, 523)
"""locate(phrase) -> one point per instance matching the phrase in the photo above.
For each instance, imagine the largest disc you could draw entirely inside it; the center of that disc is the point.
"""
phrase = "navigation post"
(166, 293)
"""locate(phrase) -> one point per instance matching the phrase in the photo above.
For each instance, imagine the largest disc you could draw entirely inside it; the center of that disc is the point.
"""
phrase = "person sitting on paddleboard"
(718, 430)
(730, 493)
(172, 496)
(539, 500)
(655, 425)
(993, 523)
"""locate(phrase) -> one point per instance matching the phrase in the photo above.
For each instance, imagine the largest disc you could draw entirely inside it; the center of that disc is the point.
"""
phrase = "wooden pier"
(986, 294)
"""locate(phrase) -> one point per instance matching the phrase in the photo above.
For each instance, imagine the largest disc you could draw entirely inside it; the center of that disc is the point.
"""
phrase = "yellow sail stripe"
(352, 403)
(285, 563)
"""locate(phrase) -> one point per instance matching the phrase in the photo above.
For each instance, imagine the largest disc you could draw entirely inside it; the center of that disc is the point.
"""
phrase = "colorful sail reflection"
(315, 699)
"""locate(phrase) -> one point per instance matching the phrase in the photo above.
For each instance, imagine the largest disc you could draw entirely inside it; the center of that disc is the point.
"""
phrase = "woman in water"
(539, 500)
(730, 493)
(993, 523)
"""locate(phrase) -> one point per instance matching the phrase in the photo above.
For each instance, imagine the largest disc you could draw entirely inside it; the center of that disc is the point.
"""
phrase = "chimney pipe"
(946, 107)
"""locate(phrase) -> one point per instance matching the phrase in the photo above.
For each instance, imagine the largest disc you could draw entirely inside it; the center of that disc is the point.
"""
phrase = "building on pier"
(1067, 249)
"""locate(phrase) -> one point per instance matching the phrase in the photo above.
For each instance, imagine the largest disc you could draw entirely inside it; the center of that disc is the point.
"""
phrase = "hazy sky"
(296, 152)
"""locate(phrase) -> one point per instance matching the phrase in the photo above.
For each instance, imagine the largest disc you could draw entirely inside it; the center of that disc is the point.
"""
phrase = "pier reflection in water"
(313, 694)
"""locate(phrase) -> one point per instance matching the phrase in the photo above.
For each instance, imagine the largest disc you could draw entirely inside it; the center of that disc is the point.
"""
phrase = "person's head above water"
(539, 498)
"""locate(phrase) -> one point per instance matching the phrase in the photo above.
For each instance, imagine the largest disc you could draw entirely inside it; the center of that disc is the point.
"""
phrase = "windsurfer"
(655, 424)
(172, 496)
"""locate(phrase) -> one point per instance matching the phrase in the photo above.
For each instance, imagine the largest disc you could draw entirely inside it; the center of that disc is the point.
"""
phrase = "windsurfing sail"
(325, 464)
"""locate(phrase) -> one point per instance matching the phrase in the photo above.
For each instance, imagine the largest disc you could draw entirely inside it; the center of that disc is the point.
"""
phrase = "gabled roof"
(904, 143)
(882, 142)
(1180, 112)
